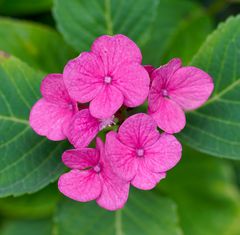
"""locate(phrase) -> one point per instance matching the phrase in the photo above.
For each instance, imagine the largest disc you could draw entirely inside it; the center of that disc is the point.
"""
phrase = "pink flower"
(108, 76)
(84, 128)
(140, 154)
(51, 115)
(175, 89)
(92, 178)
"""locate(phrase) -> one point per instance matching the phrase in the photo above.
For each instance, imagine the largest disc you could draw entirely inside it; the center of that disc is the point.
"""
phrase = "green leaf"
(27, 227)
(38, 205)
(178, 31)
(145, 213)
(207, 199)
(81, 21)
(215, 128)
(23, 7)
(28, 162)
(38, 45)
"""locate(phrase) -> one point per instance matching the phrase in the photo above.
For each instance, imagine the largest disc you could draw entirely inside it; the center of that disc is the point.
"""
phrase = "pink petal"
(145, 179)
(54, 90)
(114, 190)
(83, 128)
(81, 186)
(48, 119)
(121, 157)
(116, 50)
(166, 71)
(138, 131)
(133, 81)
(83, 77)
(161, 78)
(190, 87)
(80, 158)
(149, 68)
(164, 154)
(106, 103)
(170, 116)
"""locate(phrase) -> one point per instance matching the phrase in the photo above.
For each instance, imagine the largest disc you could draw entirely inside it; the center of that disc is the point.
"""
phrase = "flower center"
(164, 92)
(140, 152)
(70, 106)
(106, 122)
(97, 168)
(107, 79)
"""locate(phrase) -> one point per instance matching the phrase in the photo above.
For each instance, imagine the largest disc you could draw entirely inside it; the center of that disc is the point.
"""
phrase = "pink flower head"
(92, 178)
(175, 89)
(84, 128)
(51, 115)
(140, 154)
(108, 76)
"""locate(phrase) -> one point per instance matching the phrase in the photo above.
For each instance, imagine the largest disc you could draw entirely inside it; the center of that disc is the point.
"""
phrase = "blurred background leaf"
(145, 213)
(204, 190)
(174, 34)
(23, 7)
(28, 162)
(215, 127)
(81, 21)
(38, 205)
(27, 227)
(38, 45)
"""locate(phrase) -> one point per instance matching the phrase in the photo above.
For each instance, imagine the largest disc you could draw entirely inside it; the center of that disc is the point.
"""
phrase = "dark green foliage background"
(201, 195)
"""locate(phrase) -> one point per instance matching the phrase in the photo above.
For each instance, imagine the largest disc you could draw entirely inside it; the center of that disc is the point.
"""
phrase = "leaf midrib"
(14, 119)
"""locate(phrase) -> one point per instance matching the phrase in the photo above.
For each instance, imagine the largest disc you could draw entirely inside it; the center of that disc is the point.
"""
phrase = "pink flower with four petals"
(92, 178)
(108, 77)
(139, 153)
(176, 89)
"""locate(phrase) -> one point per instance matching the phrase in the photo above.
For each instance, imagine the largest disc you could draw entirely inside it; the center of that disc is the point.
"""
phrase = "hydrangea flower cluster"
(99, 90)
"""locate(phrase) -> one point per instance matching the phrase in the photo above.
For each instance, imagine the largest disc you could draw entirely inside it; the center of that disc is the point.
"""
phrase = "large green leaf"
(178, 31)
(215, 128)
(16, 7)
(26, 227)
(81, 21)
(38, 205)
(38, 45)
(145, 213)
(207, 199)
(28, 162)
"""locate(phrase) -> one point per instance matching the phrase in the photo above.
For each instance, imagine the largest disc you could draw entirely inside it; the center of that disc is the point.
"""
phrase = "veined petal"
(106, 103)
(164, 154)
(138, 131)
(160, 79)
(121, 157)
(49, 119)
(114, 190)
(83, 128)
(169, 117)
(83, 77)
(54, 90)
(165, 72)
(145, 179)
(190, 87)
(80, 158)
(115, 51)
(133, 81)
(81, 186)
